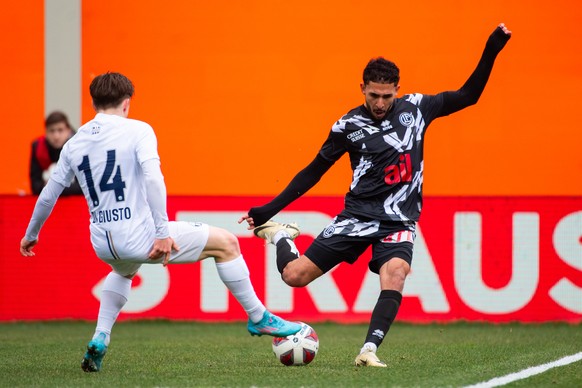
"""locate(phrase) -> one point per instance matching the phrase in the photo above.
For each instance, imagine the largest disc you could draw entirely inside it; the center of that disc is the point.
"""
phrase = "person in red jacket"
(46, 150)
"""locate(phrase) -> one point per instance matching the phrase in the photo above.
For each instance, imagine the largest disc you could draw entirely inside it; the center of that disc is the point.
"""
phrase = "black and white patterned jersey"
(386, 157)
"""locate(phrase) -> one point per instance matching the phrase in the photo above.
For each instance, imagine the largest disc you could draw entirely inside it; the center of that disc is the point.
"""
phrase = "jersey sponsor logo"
(401, 172)
(406, 119)
(110, 215)
(355, 136)
(359, 134)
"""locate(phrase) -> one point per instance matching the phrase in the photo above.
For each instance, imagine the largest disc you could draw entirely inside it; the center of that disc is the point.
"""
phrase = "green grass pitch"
(189, 354)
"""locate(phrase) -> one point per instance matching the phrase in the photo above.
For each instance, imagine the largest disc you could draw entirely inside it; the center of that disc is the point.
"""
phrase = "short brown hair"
(382, 71)
(110, 89)
(56, 117)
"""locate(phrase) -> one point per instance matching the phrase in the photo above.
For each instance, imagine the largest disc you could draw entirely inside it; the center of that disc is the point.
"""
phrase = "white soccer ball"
(297, 349)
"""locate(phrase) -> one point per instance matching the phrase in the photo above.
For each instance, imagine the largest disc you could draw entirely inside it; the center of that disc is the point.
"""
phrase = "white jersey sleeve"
(156, 194)
(42, 209)
(147, 145)
(147, 156)
(63, 172)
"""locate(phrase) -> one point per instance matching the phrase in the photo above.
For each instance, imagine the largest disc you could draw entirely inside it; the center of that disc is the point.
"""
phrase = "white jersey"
(106, 155)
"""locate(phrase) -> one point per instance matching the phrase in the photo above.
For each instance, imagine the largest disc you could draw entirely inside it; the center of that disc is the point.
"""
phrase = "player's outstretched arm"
(470, 92)
(299, 185)
(42, 209)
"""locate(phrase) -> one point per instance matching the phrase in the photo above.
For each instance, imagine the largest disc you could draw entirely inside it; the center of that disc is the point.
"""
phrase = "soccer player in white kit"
(116, 162)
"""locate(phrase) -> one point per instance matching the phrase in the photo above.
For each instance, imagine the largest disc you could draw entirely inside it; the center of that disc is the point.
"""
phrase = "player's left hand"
(504, 28)
(26, 247)
(163, 247)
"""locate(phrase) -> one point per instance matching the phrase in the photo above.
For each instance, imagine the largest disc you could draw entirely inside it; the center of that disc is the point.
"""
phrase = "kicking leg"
(233, 271)
(296, 270)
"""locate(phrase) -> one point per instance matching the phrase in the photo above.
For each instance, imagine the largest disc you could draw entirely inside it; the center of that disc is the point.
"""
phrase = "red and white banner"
(487, 259)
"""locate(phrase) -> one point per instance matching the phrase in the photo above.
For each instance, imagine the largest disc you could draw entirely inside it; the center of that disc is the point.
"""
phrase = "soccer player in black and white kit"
(384, 139)
(116, 161)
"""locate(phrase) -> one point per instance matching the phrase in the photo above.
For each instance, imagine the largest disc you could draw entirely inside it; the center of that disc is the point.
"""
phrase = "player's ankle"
(369, 347)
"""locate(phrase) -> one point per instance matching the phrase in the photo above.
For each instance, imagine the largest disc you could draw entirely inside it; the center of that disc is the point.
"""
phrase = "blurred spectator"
(46, 151)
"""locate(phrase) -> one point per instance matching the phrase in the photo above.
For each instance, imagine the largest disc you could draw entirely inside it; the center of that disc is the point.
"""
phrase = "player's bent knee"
(295, 278)
(230, 244)
(223, 243)
(300, 272)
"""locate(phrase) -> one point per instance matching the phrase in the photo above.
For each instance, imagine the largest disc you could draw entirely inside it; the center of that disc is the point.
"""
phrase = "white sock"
(114, 294)
(279, 235)
(369, 346)
(235, 276)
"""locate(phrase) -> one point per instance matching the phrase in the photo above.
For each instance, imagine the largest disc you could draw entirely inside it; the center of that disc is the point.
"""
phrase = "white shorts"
(191, 238)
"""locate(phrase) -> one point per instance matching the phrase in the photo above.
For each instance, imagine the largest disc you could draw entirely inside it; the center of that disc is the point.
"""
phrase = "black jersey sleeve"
(470, 92)
(299, 185)
(335, 145)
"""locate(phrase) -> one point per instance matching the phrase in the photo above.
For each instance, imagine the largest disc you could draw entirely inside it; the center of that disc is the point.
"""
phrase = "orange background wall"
(242, 94)
(21, 89)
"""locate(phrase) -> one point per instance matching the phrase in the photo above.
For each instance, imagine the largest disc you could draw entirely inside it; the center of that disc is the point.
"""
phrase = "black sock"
(383, 315)
(286, 253)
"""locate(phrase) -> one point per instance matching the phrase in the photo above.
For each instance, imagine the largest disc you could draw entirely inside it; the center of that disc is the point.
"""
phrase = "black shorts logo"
(328, 232)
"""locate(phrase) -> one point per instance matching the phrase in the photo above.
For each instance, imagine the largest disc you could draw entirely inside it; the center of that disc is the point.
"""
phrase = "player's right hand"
(26, 247)
(249, 221)
(163, 247)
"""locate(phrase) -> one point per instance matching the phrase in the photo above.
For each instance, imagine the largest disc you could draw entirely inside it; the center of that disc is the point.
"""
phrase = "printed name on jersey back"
(110, 215)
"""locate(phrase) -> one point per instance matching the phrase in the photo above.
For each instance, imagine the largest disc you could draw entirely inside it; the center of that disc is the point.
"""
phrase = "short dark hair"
(56, 117)
(382, 71)
(110, 89)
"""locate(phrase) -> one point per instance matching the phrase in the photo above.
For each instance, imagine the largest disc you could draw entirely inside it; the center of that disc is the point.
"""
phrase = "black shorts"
(347, 237)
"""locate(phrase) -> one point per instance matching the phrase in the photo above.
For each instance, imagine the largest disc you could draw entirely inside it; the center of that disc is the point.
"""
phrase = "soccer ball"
(297, 349)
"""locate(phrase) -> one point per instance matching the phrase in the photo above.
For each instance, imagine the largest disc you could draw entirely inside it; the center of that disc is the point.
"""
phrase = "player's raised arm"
(470, 92)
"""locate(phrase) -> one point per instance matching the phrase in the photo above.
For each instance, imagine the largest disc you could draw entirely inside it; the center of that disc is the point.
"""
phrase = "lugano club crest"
(406, 119)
